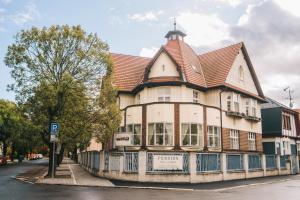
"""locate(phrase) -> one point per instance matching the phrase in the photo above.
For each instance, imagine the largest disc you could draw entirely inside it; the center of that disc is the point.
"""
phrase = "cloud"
(232, 3)
(271, 35)
(148, 52)
(6, 1)
(29, 13)
(203, 30)
(291, 6)
(148, 16)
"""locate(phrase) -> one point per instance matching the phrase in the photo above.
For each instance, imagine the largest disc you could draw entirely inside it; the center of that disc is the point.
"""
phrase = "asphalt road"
(11, 189)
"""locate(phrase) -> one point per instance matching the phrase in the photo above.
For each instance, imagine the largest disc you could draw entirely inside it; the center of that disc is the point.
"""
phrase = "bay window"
(251, 107)
(160, 134)
(164, 94)
(213, 136)
(191, 134)
(234, 139)
(135, 130)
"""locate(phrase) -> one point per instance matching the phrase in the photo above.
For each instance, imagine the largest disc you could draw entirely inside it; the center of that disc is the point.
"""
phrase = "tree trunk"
(74, 155)
(4, 149)
(50, 165)
(13, 149)
(61, 154)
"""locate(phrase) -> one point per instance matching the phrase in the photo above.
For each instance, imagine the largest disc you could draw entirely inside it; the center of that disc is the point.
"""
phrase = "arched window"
(241, 73)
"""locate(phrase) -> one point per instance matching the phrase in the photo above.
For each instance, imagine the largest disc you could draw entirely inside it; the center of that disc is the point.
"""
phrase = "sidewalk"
(70, 173)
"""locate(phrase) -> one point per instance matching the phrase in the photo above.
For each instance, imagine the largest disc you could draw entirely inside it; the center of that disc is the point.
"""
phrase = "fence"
(193, 166)
(271, 161)
(207, 162)
(131, 162)
(254, 162)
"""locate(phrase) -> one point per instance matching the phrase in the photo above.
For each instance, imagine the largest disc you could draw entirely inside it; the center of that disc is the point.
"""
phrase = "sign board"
(53, 138)
(167, 161)
(123, 139)
(54, 128)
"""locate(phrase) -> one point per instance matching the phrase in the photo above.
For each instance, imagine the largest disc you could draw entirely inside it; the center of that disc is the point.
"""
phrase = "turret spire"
(175, 34)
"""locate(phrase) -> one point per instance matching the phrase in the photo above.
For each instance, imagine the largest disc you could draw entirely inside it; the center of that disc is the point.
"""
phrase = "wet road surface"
(11, 189)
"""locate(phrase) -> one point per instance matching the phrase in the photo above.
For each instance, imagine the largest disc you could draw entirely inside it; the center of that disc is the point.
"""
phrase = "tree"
(9, 123)
(107, 117)
(54, 58)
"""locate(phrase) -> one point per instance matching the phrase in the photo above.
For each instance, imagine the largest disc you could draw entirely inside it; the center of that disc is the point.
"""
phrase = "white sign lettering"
(167, 162)
(123, 139)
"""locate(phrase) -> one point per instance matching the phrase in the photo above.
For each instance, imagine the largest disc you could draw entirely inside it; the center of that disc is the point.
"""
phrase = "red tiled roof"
(207, 70)
(129, 70)
(188, 61)
(216, 64)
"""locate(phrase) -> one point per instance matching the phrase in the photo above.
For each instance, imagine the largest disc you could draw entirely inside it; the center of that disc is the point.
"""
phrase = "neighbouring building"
(281, 133)
(185, 117)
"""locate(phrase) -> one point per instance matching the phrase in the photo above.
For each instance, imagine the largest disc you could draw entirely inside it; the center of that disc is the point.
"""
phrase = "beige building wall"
(163, 66)
(234, 77)
(134, 115)
(94, 145)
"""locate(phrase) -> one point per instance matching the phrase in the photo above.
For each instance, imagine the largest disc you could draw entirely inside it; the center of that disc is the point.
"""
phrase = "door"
(294, 164)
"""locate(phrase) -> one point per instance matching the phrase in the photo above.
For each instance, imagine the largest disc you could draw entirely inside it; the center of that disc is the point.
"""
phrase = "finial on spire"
(174, 23)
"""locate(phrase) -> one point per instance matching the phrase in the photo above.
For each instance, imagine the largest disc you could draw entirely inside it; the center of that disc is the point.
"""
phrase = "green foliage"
(107, 118)
(57, 72)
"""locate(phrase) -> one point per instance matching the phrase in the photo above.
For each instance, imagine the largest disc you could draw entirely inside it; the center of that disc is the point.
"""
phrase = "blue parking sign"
(54, 128)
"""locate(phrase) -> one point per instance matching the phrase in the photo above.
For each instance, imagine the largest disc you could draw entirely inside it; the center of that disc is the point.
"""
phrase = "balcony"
(252, 118)
(235, 114)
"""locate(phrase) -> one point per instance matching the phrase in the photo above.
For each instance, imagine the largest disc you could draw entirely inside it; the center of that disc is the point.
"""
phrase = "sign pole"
(53, 159)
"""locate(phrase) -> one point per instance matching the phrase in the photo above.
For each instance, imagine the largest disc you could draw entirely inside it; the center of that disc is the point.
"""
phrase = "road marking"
(72, 175)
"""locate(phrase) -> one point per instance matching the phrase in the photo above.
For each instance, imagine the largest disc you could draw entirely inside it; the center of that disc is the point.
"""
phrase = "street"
(11, 189)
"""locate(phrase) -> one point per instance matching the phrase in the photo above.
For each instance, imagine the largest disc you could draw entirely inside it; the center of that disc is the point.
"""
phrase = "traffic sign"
(53, 138)
(54, 128)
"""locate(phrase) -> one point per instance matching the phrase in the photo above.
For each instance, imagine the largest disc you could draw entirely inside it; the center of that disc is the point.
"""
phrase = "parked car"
(3, 160)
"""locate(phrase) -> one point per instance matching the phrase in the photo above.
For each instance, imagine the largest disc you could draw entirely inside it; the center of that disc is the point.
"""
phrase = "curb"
(156, 188)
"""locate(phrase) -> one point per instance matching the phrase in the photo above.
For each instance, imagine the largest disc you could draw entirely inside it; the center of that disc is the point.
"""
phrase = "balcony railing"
(252, 118)
(235, 114)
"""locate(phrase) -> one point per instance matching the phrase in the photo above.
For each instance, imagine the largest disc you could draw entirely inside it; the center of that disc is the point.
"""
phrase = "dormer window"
(241, 73)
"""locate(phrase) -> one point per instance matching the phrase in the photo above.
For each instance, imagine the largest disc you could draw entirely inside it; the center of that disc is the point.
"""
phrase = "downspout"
(221, 116)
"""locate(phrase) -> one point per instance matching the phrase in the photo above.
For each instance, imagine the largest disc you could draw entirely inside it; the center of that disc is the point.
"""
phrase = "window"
(229, 100)
(191, 134)
(236, 102)
(196, 96)
(233, 102)
(241, 73)
(213, 138)
(234, 139)
(253, 107)
(271, 161)
(164, 94)
(286, 122)
(138, 99)
(160, 134)
(235, 162)
(251, 141)
(254, 161)
(208, 162)
(135, 130)
(247, 107)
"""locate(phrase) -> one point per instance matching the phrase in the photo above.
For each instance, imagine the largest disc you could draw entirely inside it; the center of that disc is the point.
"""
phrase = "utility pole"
(290, 98)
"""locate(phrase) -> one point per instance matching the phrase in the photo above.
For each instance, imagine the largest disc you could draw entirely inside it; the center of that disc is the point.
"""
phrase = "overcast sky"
(270, 30)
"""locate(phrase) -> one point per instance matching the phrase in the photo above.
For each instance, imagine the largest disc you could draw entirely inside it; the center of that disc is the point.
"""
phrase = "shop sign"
(167, 161)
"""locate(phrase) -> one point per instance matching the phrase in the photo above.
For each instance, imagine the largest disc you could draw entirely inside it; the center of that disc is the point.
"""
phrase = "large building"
(186, 117)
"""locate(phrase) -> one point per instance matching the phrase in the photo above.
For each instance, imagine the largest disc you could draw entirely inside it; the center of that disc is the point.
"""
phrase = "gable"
(163, 66)
(234, 78)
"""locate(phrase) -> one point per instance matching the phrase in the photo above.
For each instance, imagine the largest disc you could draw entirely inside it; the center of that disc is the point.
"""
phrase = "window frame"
(164, 94)
(155, 134)
(190, 135)
(252, 141)
(234, 137)
(196, 96)
(233, 102)
(241, 162)
(134, 134)
(215, 134)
